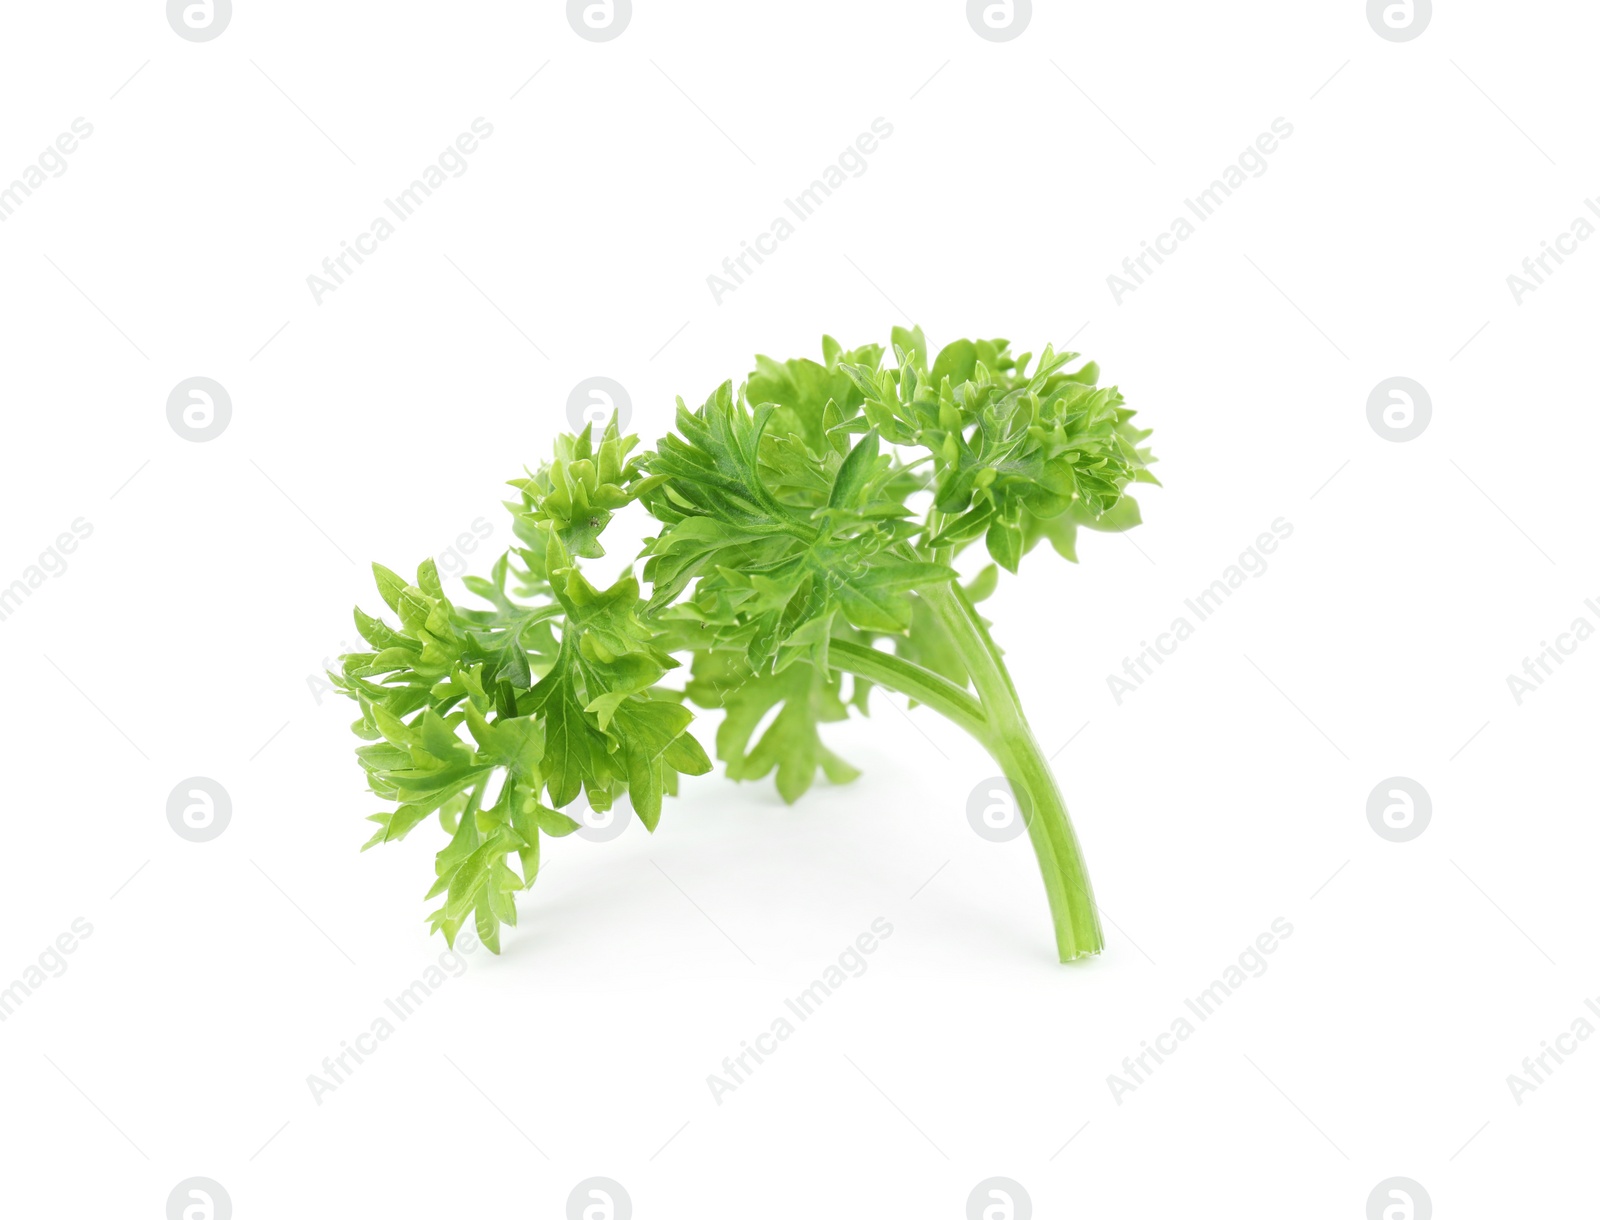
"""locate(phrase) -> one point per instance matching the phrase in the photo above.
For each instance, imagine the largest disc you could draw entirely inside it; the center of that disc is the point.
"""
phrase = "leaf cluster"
(819, 502)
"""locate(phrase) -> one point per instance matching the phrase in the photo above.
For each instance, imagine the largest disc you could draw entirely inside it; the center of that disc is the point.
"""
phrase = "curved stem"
(909, 679)
(995, 718)
(1011, 742)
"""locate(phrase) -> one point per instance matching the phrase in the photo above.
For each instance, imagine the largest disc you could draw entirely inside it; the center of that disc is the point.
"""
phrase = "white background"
(381, 422)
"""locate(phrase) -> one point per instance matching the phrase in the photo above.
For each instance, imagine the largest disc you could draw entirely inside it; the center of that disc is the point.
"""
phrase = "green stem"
(911, 680)
(996, 720)
(1011, 742)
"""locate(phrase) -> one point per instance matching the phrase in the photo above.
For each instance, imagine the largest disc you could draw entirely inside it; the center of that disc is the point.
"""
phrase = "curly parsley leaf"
(807, 525)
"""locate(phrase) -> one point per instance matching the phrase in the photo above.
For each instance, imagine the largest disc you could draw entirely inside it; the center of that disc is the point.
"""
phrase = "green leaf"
(376, 632)
(855, 472)
(912, 344)
(428, 579)
(651, 736)
(791, 744)
(983, 584)
(1004, 541)
(390, 586)
(1123, 515)
(957, 361)
(573, 744)
(556, 825)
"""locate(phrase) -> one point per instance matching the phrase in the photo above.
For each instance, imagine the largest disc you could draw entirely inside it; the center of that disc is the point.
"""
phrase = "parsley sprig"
(809, 525)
